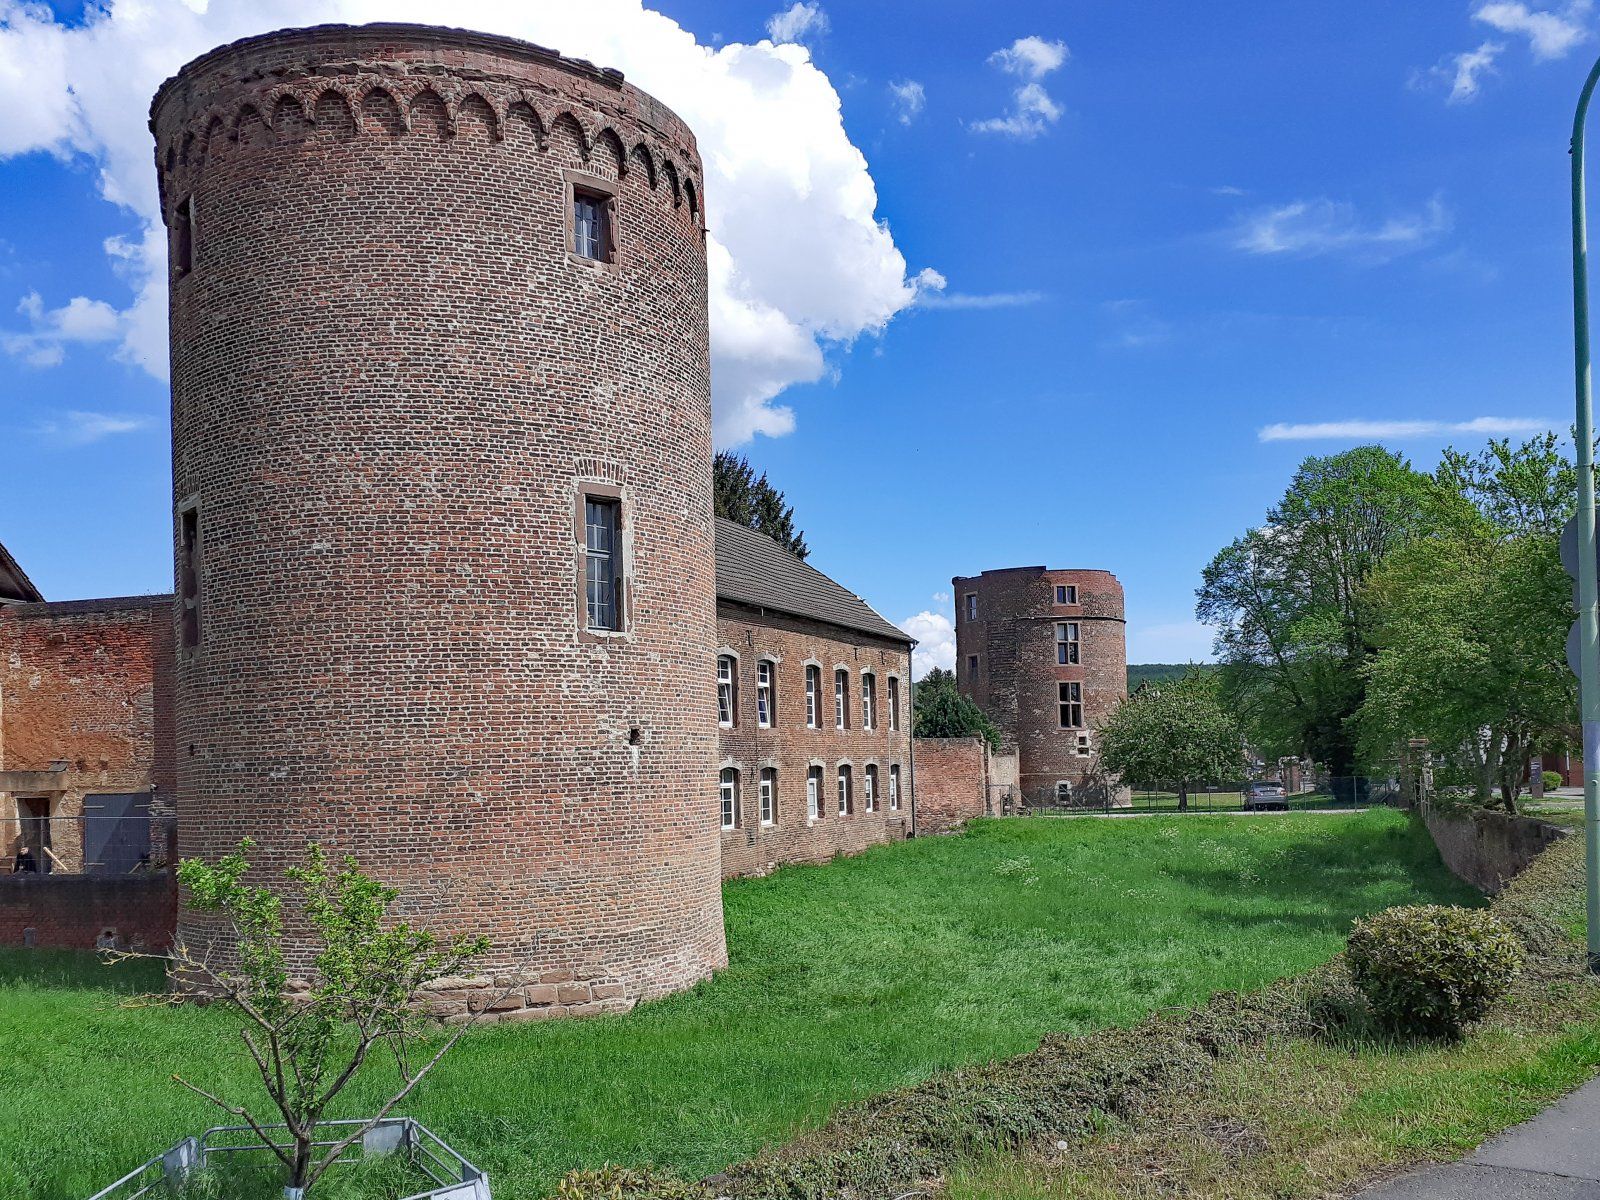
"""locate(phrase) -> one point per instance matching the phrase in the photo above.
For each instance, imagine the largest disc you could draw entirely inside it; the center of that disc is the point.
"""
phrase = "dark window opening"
(1069, 699)
(591, 225)
(601, 578)
(189, 574)
(183, 237)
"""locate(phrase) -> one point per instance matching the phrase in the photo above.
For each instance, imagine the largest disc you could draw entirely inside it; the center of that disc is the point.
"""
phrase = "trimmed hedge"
(1432, 969)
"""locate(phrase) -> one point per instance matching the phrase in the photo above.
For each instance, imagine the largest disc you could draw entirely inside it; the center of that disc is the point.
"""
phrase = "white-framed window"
(1066, 593)
(869, 788)
(972, 667)
(1066, 642)
(1084, 747)
(1069, 700)
(894, 787)
(769, 796)
(765, 712)
(727, 690)
(730, 798)
(841, 699)
(813, 793)
(1064, 791)
(847, 800)
(813, 697)
(894, 703)
(972, 606)
(869, 700)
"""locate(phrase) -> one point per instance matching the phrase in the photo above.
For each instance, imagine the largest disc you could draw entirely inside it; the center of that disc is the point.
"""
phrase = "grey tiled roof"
(14, 585)
(754, 570)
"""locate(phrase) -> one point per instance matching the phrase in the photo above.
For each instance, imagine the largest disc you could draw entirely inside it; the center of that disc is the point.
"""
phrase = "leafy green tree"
(1176, 733)
(943, 712)
(743, 497)
(1288, 599)
(308, 1044)
(1470, 622)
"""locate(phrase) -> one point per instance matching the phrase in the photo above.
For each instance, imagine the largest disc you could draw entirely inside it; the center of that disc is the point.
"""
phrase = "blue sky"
(1163, 229)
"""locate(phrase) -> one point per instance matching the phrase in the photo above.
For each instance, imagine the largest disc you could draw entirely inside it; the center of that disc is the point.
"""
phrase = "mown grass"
(845, 980)
(1363, 1107)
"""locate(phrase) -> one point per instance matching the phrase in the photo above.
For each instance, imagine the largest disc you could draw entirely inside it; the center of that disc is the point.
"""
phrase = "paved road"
(1555, 1156)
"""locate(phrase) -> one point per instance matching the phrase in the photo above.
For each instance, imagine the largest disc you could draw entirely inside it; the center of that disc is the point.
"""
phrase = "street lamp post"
(1588, 588)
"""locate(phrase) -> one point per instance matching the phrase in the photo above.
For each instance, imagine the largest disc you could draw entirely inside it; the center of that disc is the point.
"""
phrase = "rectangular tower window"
(769, 796)
(1069, 697)
(189, 574)
(727, 691)
(813, 697)
(591, 225)
(183, 237)
(972, 606)
(972, 667)
(813, 793)
(894, 787)
(1066, 593)
(730, 798)
(894, 703)
(602, 553)
(764, 712)
(1066, 642)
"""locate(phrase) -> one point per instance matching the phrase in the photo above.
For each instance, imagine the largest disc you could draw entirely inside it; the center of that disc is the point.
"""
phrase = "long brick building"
(1044, 654)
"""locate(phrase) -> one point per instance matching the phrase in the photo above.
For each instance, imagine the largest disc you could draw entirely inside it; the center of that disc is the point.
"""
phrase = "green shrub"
(1553, 780)
(1432, 969)
(628, 1183)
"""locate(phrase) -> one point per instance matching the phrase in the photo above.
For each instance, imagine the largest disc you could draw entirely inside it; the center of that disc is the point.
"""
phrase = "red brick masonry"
(952, 782)
(82, 912)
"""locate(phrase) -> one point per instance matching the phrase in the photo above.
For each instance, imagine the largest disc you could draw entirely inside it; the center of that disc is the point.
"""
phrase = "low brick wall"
(83, 911)
(1488, 849)
(952, 782)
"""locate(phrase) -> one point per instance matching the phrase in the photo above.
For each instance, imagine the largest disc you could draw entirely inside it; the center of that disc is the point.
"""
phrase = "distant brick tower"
(442, 487)
(1044, 654)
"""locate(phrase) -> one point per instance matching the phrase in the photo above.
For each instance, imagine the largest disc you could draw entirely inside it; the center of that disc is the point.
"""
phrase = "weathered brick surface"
(953, 783)
(1013, 636)
(86, 704)
(82, 912)
(790, 747)
(391, 381)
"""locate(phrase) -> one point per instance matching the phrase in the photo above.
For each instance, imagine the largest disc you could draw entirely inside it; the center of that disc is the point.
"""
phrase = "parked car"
(1265, 797)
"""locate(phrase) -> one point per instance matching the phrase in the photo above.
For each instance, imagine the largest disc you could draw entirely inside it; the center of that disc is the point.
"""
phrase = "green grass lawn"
(845, 980)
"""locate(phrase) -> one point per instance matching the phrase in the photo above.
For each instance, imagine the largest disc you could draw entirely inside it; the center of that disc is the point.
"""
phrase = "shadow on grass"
(79, 970)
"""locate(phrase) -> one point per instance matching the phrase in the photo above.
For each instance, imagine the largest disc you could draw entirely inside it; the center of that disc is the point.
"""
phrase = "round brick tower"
(442, 488)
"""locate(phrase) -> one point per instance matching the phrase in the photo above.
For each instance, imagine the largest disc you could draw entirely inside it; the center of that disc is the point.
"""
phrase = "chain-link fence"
(1331, 793)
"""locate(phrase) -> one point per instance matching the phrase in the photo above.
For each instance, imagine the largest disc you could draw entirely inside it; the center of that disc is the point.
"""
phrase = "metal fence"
(1334, 793)
(113, 836)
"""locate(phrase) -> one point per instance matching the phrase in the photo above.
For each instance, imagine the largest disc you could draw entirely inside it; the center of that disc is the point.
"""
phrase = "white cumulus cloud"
(1551, 33)
(1360, 430)
(909, 99)
(50, 331)
(799, 260)
(1033, 110)
(797, 23)
(1315, 227)
(936, 642)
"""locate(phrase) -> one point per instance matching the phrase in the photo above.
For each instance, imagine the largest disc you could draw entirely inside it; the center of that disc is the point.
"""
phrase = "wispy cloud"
(1309, 228)
(75, 428)
(1135, 325)
(1228, 189)
(1033, 110)
(80, 321)
(1355, 431)
(909, 98)
(1551, 33)
(798, 23)
(1463, 72)
(931, 293)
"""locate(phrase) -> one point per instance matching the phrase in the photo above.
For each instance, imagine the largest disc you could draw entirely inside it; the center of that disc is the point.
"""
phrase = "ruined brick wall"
(85, 709)
(791, 748)
(953, 782)
(393, 383)
(78, 912)
(1013, 637)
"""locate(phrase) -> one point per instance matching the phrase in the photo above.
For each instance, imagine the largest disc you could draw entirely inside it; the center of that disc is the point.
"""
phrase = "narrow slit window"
(601, 574)
(813, 793)
(847, 802)
(189, 574)
(894, 787)
(972, 667)
(730, 798)
(894, 704)
(764, 709)
(869, 700)
(841, 699)
(813, 697)
(869, 789)
(183, 237)
(727, 691)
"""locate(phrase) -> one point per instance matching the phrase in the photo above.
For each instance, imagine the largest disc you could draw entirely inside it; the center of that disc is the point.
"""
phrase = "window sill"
(597, 266)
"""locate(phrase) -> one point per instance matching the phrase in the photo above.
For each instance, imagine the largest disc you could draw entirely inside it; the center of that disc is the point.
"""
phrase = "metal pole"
(1588, 586)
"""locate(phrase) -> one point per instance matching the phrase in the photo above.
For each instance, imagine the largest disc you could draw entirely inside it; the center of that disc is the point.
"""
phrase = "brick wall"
(1013, 637)
(85, 709)
(791, 749)
(82, 912)
(393, 382)
(953, 782)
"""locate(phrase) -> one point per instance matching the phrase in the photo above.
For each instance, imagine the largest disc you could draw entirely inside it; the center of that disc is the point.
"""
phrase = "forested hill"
(1158, 672)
